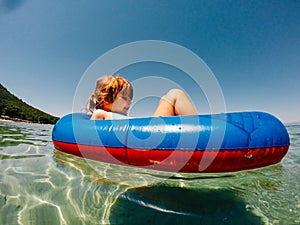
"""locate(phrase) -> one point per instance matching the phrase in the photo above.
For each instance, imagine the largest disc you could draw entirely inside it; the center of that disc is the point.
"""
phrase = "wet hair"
(107, 89)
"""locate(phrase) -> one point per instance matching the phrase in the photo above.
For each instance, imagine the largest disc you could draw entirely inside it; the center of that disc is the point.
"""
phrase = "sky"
(251, 49)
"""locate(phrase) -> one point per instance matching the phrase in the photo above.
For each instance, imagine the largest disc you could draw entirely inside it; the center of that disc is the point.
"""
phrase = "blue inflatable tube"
(202, 143)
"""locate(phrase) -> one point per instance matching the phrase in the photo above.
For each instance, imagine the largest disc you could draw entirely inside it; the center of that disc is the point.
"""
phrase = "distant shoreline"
(9, 119)
(14, 109)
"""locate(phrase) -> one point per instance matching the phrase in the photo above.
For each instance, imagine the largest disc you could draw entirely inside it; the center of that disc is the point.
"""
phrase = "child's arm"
(100, 114)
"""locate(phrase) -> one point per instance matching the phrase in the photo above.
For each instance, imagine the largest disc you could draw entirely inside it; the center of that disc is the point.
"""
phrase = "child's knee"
(175, 93)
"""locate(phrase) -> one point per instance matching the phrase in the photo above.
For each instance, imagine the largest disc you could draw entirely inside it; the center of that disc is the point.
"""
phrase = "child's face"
(121, 103)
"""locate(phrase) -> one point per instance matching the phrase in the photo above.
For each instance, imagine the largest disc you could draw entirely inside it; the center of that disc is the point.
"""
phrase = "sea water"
(40, 185)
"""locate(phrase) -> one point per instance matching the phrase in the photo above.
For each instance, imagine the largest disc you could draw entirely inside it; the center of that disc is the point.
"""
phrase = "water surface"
(39, 185)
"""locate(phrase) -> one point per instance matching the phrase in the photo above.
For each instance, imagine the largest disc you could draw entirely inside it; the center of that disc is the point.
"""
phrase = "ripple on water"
(39, 185)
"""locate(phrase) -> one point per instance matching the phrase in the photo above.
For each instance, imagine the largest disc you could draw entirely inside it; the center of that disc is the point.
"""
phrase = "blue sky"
(252, 48)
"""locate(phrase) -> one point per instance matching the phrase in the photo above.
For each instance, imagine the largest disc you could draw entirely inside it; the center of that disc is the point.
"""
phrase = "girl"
(112, 99)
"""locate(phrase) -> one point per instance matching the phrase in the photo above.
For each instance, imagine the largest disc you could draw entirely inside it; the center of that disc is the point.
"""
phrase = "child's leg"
(175, 102)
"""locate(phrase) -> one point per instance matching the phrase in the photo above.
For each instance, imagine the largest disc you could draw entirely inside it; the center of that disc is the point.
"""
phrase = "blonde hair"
(107, 89)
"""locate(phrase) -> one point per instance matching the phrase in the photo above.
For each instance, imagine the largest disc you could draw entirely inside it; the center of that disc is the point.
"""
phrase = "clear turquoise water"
(39, 185)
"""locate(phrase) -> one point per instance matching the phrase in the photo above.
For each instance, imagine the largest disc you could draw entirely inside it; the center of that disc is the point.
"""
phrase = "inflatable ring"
(216, 143)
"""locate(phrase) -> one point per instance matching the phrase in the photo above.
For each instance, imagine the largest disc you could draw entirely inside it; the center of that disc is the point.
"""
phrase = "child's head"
(112, 93)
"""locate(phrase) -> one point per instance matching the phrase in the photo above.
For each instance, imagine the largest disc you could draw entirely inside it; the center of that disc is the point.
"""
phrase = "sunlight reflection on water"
(39, 185)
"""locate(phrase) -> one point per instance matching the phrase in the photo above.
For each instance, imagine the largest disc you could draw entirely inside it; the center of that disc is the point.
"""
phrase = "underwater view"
(40, 185)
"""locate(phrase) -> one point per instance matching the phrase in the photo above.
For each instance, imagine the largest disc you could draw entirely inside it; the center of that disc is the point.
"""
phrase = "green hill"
(13, 107)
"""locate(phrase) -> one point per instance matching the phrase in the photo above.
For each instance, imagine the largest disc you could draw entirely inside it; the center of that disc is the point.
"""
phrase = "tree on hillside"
(14, 107)
(13, 112)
